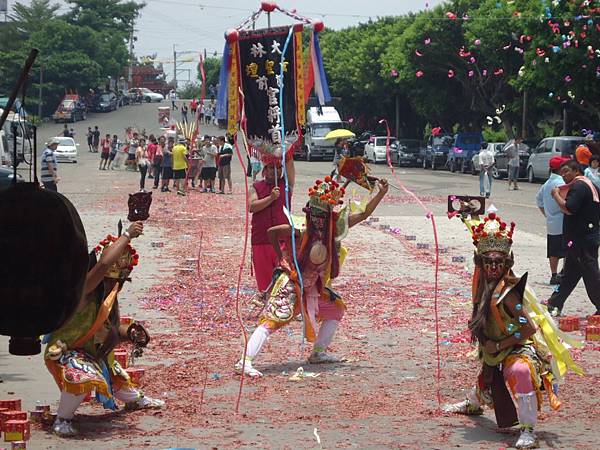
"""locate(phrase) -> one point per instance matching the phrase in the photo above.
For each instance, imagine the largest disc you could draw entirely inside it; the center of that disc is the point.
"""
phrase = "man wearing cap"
(579, 200)
(49, 166)
(266, 206)
(555, 248)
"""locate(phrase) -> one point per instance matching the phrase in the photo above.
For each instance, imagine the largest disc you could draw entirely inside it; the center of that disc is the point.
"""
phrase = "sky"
(195, 25)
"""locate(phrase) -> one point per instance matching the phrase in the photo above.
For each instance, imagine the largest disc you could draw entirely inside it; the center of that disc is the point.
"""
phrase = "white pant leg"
(128, 394)
(527, 408)
(68, 404)
(256, 342)
(326, 333)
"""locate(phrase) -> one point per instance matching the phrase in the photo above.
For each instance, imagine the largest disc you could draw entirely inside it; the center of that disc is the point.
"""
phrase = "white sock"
(128, 395)
(527, 409)
(256, 342)
(473, 399)
(326, 332)
(68, 404)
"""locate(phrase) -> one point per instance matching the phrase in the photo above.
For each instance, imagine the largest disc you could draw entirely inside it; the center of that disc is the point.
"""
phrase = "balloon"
(427, 41)
(419, 73)
(477, 42)
(451, 73)
(471, 73)
(418, 53)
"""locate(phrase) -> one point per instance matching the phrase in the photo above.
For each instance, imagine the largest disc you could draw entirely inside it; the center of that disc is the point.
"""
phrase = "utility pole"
(130, 73)
(524, 119)
(40, 93)
(174, 67)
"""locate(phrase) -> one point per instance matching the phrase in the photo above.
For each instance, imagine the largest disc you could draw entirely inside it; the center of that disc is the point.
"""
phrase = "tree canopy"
(79, 50)
(467, 64)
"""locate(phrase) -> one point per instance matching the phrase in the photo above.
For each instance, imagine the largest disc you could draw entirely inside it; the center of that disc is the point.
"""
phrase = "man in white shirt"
(209, 168)
(486, 162)
(512, 153)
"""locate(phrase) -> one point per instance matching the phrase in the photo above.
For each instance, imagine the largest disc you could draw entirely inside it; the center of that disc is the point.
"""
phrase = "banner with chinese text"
(260, 66)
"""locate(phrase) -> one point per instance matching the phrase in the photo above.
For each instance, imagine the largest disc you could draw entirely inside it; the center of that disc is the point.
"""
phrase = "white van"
(319, 122)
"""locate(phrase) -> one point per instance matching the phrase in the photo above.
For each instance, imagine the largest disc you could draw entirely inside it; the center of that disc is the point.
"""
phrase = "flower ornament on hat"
(122, 268)
(493, 235)
(325, 195)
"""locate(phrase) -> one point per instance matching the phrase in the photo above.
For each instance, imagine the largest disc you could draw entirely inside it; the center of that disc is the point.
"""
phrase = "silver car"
(538, 167)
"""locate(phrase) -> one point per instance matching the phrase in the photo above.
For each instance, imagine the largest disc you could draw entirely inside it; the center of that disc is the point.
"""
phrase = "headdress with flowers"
(493, 235)
(121, 269)
(325, 195)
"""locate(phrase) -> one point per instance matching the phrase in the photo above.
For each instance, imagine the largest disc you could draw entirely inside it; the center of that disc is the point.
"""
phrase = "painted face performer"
(80, 354)
(514, 353)
(320, 256)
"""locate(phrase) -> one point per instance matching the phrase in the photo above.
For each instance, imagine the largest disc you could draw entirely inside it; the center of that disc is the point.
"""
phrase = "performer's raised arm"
(356, 218)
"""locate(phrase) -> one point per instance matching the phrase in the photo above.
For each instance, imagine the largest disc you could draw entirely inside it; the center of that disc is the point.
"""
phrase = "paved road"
(87, 188)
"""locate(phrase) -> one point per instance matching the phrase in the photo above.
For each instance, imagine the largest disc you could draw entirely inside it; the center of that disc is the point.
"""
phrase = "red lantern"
(268, 6)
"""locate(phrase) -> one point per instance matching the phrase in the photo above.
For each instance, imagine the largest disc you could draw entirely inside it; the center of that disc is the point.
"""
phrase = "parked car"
(357, 145)
(71, 109)
(537, 166)
(6, 177)
(151, 96)
(66, 151)
(406, 152)
(436, 151)
(376, 148)
(107, 102)
(466, 144)
(494, 147)
(501, 167)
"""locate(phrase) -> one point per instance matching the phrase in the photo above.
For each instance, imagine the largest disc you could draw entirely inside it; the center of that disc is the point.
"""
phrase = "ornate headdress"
(325, 195)
(121, 269)
(493, 235)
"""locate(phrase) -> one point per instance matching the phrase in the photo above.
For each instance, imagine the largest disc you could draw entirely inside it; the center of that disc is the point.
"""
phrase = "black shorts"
(167, 173)
(111, 156)
(555, 246)
(130, 156)
(104, 155)
(179, 174)
(208, 173)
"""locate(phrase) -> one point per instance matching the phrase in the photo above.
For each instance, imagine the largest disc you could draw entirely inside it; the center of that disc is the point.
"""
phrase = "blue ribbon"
(285, 175)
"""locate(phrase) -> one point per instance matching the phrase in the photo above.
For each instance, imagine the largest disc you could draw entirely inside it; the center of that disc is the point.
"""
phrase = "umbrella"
(341, 133)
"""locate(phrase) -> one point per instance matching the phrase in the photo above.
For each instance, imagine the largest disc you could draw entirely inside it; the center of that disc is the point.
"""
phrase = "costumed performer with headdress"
(518, 342)
(79, 355)
(320, 256)
(267, 202)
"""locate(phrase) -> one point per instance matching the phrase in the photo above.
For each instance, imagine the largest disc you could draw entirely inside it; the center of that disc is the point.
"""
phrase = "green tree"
(31, 18)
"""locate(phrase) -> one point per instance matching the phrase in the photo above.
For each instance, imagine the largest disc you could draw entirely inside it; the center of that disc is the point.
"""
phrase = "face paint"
(494, 266)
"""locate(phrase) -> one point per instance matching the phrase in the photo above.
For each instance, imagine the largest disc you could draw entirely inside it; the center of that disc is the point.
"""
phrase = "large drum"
(43, 264)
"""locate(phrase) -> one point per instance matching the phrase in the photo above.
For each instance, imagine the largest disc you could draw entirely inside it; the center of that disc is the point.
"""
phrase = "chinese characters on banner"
(260, 67)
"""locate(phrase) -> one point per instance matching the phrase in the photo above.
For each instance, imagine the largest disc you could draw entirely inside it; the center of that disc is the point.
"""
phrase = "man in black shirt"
(225, 154)
(581, 207)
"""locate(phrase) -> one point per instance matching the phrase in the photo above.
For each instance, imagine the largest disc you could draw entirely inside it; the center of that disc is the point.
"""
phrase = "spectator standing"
(193, 108)
(173, 98)
(141, 159)
(555, 247)
(180, 166)
(224, 169)
(95, 139)
(486, 163)
(115, 143)
(90, 138)
(49, 166)
(122, 152)
(184, 113)
(514, 161)
(151, 149)
(208, 113)
(202, 112)
(592, 171)
(66, 132)
(583, 153)
(167, 165)
(195, 163)
(157, 161)
(580, 203)
(209, 168)
(104, 152)
(133, 145)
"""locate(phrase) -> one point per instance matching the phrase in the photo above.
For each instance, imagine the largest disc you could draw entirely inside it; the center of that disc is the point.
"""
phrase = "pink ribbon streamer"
(430, 216)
